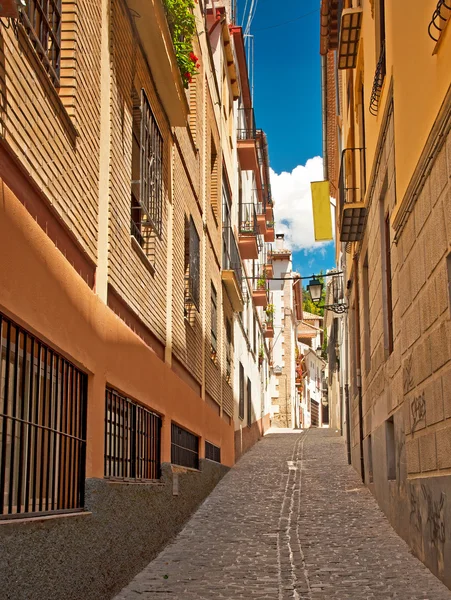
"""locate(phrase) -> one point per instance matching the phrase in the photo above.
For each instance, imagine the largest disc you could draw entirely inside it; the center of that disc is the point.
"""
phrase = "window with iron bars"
(42, 427)
(212, 452)
(214, 320)
(241, 398)
(192, 265)
(132, 439)
(42, 22)
(147, 172)
(184, 447)
(228, 350)
(249, 402)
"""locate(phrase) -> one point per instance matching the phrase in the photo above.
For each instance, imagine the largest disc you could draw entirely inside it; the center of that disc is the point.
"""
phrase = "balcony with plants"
(248, 233)
(267, 262)
(269, 321)
(260, 290)
(166, 29)
(270, 234)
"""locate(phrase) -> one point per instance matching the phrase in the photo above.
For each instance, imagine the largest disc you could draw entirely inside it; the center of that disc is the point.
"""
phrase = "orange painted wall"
(43, 293)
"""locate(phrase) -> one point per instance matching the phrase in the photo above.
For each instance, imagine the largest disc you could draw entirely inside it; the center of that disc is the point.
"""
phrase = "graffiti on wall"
(408, 379)
(435, 516)
(418, 411)
(431, 513)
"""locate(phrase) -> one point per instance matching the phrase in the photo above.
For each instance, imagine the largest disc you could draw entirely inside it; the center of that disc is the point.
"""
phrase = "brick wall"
(51, 130)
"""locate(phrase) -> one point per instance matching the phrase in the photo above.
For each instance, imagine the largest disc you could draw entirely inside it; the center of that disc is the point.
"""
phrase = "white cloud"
(293, 213)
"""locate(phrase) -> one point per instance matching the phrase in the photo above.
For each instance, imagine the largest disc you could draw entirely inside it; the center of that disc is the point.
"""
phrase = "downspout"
(358, 365)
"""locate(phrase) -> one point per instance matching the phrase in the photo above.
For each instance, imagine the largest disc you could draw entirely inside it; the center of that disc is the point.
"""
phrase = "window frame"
(241, 392)
(44, 415)
(35, 20)
(136, 439)
(149, 195)
(192, 264)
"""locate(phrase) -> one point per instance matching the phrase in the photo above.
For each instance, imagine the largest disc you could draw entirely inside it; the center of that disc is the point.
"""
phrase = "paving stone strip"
(290, 521)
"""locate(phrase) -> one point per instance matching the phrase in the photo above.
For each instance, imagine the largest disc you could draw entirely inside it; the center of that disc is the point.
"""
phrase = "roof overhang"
(238, 39)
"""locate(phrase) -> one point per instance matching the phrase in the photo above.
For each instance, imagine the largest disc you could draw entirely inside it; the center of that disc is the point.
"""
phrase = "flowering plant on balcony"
(270, 314)
(182, 25)
(261, 283)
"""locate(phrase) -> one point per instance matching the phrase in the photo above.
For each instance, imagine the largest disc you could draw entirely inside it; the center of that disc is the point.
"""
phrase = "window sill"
(42, 518)
(142, 255)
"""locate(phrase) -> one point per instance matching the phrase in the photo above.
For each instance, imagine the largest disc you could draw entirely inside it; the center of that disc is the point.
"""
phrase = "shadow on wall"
(94, 555)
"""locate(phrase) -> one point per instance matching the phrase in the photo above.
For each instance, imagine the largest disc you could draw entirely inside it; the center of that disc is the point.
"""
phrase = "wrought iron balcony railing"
(352, 188)
(246, 124)
(379, 77)
(248, 219)
(231, 260)
(440, 18)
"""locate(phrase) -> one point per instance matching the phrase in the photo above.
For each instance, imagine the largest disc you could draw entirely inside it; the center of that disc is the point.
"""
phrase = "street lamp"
(315, 288)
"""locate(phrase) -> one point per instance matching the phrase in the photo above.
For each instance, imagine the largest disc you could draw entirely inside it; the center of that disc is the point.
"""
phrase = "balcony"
(261, 218)
(232, 271)
(260, 291)
(268, 203)
(352, 187)
(247, 141)
(248, 242)
(270, 235)
(150, 21)
(348, 46)
(267, 263)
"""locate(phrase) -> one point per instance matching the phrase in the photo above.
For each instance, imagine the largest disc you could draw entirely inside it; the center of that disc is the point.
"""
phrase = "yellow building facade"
(387, 120)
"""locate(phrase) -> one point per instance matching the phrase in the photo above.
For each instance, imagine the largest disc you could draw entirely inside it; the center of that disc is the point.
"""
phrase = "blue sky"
(287, 101)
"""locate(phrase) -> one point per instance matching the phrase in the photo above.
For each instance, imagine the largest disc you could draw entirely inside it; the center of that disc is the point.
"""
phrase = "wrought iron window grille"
(184, 448)
(147, 191)
(42, 22)
(132, 439)
(212, 452)
(192, 265)
(440, 18)
(228, 351)
(241, 392)
(214, 321)
(379, 77)
(42, 427)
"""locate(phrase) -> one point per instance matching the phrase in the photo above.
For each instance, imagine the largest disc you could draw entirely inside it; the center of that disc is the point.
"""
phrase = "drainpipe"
(358, 365)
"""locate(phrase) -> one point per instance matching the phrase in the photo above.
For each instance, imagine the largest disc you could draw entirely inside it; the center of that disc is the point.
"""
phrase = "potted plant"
(182, 25)
(261, 355)
(270, 314)
(261, 283)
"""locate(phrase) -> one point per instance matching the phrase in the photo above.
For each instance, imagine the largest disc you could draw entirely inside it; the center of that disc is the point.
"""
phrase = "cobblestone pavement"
(290, 521)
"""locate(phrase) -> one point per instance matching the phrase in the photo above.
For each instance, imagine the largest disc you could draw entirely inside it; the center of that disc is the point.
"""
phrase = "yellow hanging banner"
(322, 218)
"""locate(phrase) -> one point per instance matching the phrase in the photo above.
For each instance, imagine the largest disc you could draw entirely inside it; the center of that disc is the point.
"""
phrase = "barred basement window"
(212, 452)
(192, 265)
(42, 22)
(147, 172)
(132, 439)
(184, 447)
(214, 320)
(42, 427)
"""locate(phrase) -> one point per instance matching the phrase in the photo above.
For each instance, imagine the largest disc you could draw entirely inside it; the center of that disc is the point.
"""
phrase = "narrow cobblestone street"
(291, 520)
